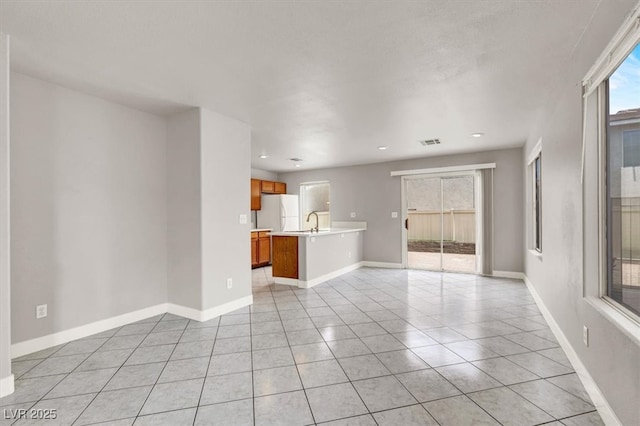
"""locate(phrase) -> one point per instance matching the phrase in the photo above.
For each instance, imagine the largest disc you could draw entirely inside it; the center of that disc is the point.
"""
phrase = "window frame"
(301, 201)
(535, 199)
(602, 94)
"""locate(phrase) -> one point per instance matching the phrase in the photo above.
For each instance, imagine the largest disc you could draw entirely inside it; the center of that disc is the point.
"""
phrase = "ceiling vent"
(295, 159)
(428, 142)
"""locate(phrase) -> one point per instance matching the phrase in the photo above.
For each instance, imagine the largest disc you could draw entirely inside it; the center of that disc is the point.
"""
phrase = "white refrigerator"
(279, 212)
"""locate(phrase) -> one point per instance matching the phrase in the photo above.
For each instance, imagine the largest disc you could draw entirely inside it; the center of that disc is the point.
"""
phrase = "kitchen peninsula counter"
(304, 259)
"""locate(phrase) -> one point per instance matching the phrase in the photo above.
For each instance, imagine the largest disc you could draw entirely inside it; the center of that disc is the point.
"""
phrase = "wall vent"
(295, 159)
(428, 142)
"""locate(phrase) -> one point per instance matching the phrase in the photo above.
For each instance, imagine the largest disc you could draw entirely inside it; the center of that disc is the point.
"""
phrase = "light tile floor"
(386, 347)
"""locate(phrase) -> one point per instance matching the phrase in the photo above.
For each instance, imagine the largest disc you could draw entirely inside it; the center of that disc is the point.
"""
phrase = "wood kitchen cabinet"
(264, 187)
(260, 248)
(268, 187)
(254, 249)
(255, 194)
(285, 257)
(264, 248)
(280, 187)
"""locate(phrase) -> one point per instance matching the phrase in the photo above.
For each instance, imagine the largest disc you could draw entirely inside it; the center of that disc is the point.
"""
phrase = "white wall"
(226, 244)
(613, 355)
(263, 175)
(373, 194)
(184, 240)
(88, 208)
(6, 379)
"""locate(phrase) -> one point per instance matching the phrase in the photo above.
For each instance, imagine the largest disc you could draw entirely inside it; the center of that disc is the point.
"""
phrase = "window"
(537, 202)
(535, 183)
(315, 197)
(622, 182)
(631, 148)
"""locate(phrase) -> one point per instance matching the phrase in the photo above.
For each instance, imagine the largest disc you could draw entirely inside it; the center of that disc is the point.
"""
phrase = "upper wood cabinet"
(268, 187)
(280, 187)
(264, 187)
(255, 194)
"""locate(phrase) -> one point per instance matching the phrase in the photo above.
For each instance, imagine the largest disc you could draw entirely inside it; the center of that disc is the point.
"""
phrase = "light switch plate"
(243, 219)
(394, 215)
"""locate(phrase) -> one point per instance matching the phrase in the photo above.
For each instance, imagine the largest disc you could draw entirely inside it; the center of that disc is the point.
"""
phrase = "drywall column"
(6, 378)
(225, 149)
(184, 257)
(209, 172)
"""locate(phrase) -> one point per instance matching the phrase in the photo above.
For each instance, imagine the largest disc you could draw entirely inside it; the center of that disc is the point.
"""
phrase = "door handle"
(406, 224)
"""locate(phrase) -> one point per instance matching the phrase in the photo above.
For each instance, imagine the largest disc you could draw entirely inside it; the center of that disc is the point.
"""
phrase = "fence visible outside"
(457, 226)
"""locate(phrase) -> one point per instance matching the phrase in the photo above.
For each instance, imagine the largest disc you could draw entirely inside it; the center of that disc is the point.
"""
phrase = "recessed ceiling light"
(264, 156)
(382, 148)
(298, 165)
(477, 135)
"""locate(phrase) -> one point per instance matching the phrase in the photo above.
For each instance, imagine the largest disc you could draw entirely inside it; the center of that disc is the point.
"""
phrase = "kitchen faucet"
(309, 216)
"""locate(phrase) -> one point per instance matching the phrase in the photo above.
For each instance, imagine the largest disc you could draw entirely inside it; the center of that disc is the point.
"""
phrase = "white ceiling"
(324, 81)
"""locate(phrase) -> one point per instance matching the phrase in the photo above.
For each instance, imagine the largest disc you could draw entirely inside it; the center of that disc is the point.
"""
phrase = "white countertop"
(322, 232)
(261, 229)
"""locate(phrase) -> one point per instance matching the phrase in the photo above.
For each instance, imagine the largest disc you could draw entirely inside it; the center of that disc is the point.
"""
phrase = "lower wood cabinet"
(285, 257)
(260, 248)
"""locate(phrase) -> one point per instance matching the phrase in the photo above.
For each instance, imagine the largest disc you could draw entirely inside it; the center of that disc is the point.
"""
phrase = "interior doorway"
(441, 222)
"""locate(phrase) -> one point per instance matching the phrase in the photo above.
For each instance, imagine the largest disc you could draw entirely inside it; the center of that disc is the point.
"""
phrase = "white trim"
(317, 280)
(286, 281)
(535, 253)
(40, 343)
(44, 342)
(6, 386)
(444, 169)
(508, 274)
(598, 399)
(389, 265)
(537, 149)
(615, 53)
(330, 275)
(612, 312)
(210, 313)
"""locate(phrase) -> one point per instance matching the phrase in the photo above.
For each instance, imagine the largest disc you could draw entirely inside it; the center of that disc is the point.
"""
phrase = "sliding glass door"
(441, 223)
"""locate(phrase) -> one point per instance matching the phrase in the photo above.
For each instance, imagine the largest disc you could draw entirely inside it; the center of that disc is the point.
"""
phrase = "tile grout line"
(206, 373)
(118, 368)
(165, 365)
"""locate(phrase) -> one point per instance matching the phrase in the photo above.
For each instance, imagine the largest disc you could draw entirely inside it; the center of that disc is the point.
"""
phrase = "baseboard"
(286, 281)
(44, 342)
(598, 399)
(6, 386)
(508, 274)
(210, 313)
(370, 264)
(329, 276)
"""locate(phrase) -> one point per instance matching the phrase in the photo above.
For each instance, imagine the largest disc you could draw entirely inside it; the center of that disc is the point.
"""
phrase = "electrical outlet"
(243, 219)
(394, 215)
(229, 283)
(585, 335)
(353, 214)
(41, 311)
